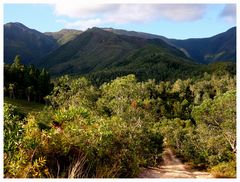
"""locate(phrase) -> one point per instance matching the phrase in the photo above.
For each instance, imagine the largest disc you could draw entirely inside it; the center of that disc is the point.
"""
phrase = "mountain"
(33, 45)
(104, 54)
(136, 34)
(97, 50)
(64, 35)
(29, 43)
(221, 47)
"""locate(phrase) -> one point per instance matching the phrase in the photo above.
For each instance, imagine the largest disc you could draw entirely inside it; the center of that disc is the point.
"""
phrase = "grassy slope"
(64, 35)
(25, 106)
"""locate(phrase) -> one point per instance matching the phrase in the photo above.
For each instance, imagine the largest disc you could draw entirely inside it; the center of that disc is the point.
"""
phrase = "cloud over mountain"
(89, 15)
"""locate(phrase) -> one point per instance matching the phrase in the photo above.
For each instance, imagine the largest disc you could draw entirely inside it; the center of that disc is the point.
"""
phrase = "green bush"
(113, 130)
(77, 139)
(13, 128)
(18, 160)
(224, 170)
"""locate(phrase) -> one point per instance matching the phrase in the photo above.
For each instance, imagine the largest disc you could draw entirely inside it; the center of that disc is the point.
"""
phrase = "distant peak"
(232, 29)
(95, 29)
(108, 28)
(65, 31)
(15, 24)
(69, 30)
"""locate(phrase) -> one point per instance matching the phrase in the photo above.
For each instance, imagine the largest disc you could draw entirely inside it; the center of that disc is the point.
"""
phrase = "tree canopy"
(26, 82)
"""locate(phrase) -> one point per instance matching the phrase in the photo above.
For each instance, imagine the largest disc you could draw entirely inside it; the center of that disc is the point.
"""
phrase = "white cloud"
(84, 24)
(189, 12)
(229, 13)
(75, 9)
(99, 14)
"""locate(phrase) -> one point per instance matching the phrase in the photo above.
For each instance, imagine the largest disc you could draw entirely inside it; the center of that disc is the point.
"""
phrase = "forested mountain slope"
(26, 42)
(33, 45)
(98, 50)
(221, 47)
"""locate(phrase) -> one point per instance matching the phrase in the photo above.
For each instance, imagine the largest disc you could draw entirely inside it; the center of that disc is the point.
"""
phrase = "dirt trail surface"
(172, 168)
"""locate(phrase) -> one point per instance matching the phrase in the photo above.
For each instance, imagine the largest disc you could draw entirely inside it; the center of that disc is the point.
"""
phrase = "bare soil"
(172, 167)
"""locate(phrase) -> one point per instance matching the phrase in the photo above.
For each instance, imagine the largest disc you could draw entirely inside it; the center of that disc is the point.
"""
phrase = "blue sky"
(171, 20)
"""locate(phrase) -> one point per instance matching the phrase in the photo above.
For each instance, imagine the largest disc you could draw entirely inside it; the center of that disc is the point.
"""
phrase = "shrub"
(224, 170)
(77, 139)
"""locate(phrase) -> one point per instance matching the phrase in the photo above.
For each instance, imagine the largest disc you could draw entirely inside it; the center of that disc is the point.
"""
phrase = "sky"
(178, 21)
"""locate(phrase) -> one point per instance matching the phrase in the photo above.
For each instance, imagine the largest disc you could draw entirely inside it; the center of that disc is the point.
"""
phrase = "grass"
(25, 106)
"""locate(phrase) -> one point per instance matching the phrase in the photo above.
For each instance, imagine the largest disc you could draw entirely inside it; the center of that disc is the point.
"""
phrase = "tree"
(29, 92)
(219, 116)
(12, 89)
(44, 85)
(25, 82)
(17, 68)
(17, 62)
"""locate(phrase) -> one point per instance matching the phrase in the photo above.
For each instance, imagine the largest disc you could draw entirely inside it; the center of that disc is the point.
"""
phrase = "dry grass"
(108, 171)
(76, 169)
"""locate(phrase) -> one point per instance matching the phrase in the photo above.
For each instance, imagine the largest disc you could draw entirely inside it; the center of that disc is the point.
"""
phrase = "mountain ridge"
(29, 43)
(221, 47)
(191, 49)
(97, 49)
(64, 35)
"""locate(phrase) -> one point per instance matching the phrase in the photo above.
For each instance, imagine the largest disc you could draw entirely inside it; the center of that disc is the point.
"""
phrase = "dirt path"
(172, 168)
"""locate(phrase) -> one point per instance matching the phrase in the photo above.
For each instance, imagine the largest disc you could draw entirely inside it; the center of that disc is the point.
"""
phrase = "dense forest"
(160, 68)
(26, 82)
(113, 129)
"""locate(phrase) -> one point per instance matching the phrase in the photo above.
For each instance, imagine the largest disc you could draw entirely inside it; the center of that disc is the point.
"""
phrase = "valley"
(104, 54)
(103, 103)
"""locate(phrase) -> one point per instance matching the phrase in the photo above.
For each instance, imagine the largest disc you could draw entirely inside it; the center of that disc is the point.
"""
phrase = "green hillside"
(102, 56)
(136, 34)
(64, 35)
(159, 67)
(97, 50)
(221, 47)
(33, 46)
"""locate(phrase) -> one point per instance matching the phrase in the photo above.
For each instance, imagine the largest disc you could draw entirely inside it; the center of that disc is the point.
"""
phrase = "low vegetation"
(127, 99)
(114, 129)
(24, 106)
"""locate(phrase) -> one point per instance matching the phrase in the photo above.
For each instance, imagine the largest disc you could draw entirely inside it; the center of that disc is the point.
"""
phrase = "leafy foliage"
(138, 95)
(208, 139)
(113, 130)
(13, 127)
(18, 161)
